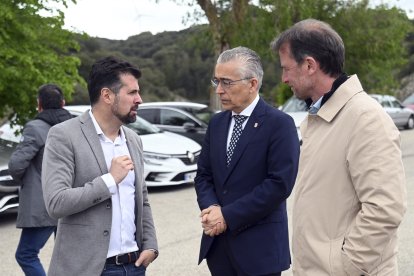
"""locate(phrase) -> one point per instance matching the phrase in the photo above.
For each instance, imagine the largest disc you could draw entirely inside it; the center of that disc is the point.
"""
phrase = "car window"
(143, 127)
(150, 115)
(174, 118)
(203, 114)
(385, 103)
(395, 104)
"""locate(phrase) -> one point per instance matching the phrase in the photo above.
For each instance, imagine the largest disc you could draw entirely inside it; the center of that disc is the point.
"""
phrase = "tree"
(34, 50)
(373, 36)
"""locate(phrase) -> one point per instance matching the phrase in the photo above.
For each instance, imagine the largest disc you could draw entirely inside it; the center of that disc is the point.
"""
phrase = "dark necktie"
(237, 131)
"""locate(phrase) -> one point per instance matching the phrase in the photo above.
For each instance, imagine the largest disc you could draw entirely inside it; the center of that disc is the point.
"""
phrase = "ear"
(312, 65)
(253, 85)
(63, 103)
(39, 106)
(106, 94)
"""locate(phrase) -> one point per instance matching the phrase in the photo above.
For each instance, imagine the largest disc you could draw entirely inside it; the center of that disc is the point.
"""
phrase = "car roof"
(77, 109)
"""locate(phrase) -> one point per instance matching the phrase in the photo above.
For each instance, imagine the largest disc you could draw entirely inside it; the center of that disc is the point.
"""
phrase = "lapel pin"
(256, 124)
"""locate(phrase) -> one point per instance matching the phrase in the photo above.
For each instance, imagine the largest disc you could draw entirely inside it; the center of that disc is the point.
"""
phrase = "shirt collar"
(100, 132)
(249, 109)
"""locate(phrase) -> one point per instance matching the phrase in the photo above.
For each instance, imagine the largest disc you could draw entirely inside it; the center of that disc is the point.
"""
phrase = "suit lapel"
(88, 129)
(252, 127)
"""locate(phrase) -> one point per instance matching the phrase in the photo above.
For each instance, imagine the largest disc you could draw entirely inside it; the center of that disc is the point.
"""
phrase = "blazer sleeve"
(61, 197)
(204, 185)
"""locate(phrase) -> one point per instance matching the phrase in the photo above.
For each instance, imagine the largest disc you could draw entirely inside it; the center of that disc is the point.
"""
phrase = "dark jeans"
(123, 270)
(32, 239)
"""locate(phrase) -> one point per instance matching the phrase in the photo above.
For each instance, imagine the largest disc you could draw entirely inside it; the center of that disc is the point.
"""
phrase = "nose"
(219, 89)
(285, 78)
(138, 99)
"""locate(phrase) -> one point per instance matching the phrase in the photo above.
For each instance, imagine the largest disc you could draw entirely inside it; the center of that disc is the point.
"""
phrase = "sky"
(120, 19)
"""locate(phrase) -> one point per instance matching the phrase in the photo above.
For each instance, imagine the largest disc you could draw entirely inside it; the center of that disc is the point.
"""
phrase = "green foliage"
(34, 50)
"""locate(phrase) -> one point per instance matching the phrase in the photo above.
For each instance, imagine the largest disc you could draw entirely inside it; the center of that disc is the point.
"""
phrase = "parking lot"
(176, 218)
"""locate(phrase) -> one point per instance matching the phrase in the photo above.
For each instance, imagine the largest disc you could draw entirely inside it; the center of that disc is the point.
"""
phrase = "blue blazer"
(253, 189)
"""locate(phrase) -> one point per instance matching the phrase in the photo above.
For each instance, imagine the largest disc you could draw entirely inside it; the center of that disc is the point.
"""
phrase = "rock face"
(407, 87)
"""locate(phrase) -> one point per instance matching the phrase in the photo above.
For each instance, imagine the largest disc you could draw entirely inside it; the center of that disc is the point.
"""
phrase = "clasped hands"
(212, 221)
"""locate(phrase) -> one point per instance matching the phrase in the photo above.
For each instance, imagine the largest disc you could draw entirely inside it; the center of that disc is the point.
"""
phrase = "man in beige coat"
(350, 193)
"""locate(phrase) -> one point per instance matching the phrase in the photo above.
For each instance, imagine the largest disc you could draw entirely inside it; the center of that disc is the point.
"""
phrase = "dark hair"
(50, 96)
(106, 73)
(317, 39)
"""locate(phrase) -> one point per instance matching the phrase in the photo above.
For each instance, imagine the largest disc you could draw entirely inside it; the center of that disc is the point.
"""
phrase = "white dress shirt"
(123, 227)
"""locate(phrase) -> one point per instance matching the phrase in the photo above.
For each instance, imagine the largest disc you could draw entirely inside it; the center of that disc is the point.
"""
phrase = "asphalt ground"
(178, 228)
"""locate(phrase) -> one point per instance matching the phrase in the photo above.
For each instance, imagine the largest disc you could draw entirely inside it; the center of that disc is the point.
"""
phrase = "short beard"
(125, 119)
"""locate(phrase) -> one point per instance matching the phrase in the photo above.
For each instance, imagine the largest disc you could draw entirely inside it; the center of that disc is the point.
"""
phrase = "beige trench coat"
(350, 193)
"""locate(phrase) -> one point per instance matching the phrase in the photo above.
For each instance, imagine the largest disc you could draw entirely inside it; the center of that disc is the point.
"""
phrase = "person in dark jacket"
(25, 166)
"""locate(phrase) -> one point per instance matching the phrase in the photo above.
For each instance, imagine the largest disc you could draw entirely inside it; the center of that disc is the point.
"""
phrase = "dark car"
(185, 118)
(9, 190)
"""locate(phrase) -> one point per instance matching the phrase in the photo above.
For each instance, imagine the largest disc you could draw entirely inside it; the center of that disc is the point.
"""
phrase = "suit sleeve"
(376, 169)
(58, 176)
(282, 165)
(204, 186)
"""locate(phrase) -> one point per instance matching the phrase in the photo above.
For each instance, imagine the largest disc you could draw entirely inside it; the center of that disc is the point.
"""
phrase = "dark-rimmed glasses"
(225, 83)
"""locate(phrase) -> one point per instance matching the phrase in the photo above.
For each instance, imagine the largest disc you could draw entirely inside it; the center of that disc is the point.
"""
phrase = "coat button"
(224, 192)
(108, 206)
(106, 233)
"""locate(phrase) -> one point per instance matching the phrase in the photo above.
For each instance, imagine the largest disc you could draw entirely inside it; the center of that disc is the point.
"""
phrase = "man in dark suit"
(246, 171)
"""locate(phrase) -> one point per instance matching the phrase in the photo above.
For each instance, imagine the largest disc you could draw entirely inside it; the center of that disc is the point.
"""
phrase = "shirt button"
(106, 233)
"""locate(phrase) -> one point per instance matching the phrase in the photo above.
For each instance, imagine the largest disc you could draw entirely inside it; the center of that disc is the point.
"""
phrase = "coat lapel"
(252, 127)
(88, 129)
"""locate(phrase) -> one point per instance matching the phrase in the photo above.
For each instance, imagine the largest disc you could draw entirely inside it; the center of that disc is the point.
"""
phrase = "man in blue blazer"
(243, 181)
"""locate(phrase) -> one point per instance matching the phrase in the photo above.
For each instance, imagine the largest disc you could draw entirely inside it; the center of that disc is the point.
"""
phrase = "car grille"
(189, 158)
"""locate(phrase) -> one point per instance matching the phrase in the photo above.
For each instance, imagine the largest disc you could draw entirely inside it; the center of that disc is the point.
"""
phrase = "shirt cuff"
(110, 183)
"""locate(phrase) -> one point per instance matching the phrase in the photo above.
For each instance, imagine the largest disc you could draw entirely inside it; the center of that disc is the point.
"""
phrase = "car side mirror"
(189, 126)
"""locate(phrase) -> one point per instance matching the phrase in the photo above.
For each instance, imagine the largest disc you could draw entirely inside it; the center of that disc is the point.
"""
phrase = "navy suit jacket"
(252, 191)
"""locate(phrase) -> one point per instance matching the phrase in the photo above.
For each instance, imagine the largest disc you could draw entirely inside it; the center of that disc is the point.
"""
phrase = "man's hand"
(145, 258)
(212, 221)
(120, 166)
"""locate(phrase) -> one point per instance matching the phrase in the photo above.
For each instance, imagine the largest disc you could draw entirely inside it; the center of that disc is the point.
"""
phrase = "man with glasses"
(246, 171)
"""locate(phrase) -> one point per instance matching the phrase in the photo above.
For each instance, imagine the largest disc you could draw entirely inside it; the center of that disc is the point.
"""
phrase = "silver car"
(402, 116)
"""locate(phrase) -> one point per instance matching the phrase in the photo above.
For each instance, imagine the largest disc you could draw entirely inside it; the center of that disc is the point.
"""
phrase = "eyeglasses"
(225, 83)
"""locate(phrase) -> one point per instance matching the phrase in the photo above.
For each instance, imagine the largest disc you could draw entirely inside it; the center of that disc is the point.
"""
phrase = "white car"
(297, 109)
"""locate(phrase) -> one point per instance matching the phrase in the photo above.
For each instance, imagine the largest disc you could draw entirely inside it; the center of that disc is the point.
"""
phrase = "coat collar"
(341, 96)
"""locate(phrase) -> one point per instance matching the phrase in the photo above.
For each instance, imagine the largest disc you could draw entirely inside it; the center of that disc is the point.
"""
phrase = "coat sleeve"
(376, 170)
(61, 197)
(26, 150)
(204, 185)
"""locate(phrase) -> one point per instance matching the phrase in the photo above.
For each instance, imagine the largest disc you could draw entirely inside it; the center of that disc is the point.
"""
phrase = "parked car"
(297, 109)
(185, 118)
(402, 116)
(409, 102)
(9, 190)
(170, 159)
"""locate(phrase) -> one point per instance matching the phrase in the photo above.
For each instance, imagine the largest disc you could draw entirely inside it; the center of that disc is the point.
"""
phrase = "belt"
(121, 259)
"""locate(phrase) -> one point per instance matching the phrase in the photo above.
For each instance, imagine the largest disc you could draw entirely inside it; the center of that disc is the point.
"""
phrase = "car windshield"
(143, 127)
(409, 100)
(294, 105)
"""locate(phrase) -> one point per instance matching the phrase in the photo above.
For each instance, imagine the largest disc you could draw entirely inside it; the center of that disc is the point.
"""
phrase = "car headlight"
(155, 158)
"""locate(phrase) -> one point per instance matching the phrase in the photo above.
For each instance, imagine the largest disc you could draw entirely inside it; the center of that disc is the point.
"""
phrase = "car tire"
(410, 123)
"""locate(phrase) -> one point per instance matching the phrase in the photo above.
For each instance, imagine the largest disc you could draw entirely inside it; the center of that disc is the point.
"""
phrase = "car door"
(400, 115)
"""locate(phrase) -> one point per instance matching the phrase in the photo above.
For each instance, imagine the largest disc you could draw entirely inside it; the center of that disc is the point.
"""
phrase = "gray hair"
(251, 60)
(311, 37)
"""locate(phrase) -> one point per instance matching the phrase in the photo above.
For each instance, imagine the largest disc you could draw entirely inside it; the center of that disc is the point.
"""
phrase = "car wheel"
(410, 123)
